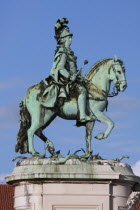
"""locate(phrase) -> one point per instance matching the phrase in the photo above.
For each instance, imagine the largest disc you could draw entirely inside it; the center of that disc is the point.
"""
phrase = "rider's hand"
(73, 77)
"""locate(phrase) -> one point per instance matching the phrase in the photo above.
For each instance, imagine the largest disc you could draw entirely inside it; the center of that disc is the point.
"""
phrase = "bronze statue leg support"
(89, 129)
(82, 102)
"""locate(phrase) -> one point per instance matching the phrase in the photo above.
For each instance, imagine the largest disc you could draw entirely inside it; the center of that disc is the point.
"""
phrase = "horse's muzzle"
(125, 86)
(121, 85)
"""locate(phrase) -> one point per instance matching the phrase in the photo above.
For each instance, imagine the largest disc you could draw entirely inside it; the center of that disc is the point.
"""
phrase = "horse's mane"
(98, 65)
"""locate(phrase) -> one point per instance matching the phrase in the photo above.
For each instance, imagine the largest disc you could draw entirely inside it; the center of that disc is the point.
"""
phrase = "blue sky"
(101, 30)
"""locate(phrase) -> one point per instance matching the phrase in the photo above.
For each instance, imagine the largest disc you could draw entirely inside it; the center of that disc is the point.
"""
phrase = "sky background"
(102, 29)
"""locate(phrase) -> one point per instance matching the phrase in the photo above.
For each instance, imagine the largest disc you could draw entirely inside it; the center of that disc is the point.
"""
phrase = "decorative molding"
(122, 208)
(43, 168)
(25, 207)
(77, 207)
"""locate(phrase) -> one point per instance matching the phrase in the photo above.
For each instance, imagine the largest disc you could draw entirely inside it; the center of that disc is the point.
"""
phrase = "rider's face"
(68, 41)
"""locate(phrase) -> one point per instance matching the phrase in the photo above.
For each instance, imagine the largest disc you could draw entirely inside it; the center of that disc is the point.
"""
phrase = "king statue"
(70, 95)
(64, 76)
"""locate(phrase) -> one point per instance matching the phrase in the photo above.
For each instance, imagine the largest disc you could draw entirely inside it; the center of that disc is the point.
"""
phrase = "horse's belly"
(69, 110)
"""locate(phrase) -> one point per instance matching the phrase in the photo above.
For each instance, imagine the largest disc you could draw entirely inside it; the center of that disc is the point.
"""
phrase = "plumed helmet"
(61, 29)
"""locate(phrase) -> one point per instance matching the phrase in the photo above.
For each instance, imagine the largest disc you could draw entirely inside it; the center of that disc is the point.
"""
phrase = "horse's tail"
(25, 123)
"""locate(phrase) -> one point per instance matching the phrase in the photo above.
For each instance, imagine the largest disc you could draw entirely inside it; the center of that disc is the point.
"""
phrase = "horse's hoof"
(100, 136)
(35, 153)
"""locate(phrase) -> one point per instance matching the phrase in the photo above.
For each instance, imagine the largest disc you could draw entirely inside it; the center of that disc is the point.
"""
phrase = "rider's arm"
(73, 67)
(61, 66)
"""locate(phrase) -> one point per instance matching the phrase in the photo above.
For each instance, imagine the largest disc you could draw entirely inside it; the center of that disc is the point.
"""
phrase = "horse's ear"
(115, 58)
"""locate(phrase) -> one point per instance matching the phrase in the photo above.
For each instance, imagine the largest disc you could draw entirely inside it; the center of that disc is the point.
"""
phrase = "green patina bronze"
(70, 95)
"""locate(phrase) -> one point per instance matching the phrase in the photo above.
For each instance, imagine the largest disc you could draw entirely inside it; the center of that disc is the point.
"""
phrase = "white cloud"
(9, 83)
(134, 80)
(9, 117)
(9, 113)
(2, 178)
(125, 103)
(136, 168)
(116, 114)
(8, 125)
(6, 112)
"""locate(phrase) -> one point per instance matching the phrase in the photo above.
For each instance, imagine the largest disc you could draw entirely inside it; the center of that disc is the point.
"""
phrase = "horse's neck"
(101, 79)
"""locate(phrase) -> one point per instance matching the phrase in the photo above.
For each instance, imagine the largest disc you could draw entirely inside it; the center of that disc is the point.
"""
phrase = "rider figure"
(64, 73)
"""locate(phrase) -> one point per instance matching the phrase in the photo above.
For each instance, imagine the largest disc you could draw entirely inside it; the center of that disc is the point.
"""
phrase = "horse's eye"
(119, 72)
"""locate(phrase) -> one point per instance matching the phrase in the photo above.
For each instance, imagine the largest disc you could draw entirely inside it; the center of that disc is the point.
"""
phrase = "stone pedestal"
(95, 185)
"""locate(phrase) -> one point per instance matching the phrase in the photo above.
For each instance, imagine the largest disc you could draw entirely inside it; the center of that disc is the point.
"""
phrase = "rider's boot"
(82, 106)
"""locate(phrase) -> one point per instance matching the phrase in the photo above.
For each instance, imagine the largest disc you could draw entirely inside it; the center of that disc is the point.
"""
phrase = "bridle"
(118, 83)
(115, 88)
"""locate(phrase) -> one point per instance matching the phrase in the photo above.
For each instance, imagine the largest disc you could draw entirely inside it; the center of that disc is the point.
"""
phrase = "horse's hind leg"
(30, 133)
(89, 129)
(50, 145)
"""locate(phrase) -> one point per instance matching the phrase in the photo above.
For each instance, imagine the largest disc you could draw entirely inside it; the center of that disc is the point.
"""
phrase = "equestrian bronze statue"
(70, 95)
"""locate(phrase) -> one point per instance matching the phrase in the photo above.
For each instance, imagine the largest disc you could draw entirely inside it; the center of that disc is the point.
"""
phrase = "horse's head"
(117, 74)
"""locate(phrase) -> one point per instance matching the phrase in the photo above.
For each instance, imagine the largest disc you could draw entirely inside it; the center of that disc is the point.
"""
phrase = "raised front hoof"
(100, 136)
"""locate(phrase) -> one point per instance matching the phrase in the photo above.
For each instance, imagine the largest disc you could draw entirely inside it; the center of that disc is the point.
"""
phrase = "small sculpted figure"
(64, 76)
(69, 95)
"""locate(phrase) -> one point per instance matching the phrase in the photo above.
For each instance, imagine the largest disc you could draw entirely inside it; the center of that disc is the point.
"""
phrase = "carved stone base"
(94, 185)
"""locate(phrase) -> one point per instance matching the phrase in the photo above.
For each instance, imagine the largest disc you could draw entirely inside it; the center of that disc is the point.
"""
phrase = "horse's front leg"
(89, 129)
(104, 119)
(101, 117)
